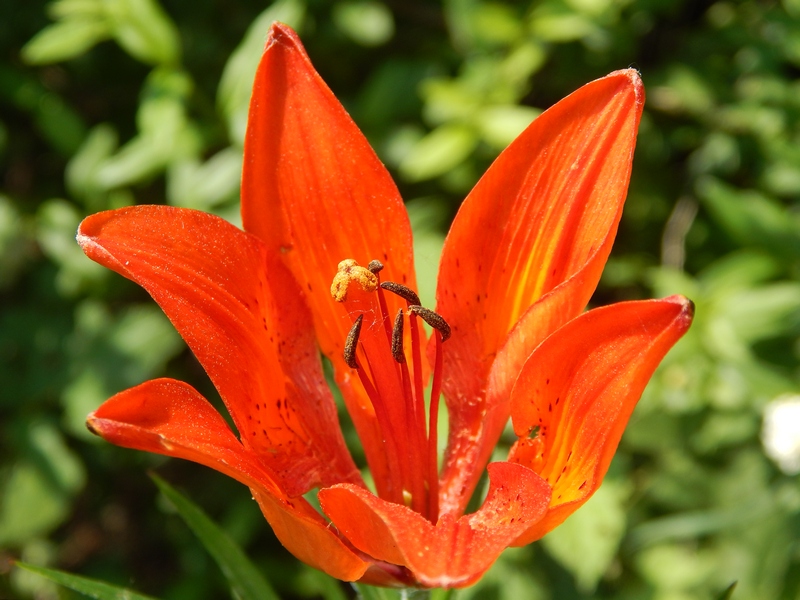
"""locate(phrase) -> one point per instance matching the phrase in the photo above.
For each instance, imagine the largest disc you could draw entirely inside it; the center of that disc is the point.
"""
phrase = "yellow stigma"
(350, 271)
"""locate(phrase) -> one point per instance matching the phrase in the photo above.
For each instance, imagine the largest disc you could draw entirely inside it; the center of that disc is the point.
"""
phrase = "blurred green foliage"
(106, 103)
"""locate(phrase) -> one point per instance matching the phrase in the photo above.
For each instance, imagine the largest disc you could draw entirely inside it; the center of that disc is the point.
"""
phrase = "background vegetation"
(107, 103)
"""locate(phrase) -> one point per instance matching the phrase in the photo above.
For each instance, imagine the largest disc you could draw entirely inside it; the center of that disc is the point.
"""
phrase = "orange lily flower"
(509, 339)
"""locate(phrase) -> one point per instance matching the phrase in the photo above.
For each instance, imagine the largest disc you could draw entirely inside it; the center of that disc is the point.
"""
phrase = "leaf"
(65, 9)
(368, 592)
(64, 40)
(751, 218)
(39, 491)
(366, 23)
(500, 125)
(233, 93)
(428, 217)
(245, 580)
(81, 170)
(88, 587)
(56, 222)
(441, 150)
(203, 186)
(313, 583)
(165, 136)
(144, 31)
(728, 593)
(588, 541)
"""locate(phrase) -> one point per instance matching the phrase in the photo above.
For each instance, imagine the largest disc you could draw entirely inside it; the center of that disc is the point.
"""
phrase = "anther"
(406, 293)
(397, 338)
(433, 319)
(351, 343)
(375, 266)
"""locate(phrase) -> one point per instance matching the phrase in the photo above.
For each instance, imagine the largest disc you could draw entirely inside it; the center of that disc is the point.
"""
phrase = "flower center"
(394, 380)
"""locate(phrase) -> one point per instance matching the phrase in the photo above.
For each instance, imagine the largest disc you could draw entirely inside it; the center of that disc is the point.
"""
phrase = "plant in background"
(691, 501)
(519, 265)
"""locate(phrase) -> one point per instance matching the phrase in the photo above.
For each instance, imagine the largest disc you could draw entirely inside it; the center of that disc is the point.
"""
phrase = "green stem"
(368, 592)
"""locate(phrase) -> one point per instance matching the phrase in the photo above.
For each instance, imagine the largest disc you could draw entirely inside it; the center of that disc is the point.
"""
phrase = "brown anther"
(406, 293)
(351, 272)
(433, 319)
(375, 266)
(351, 343)
(397, 338)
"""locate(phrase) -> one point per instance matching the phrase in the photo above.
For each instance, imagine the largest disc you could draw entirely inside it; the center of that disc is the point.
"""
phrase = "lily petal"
(315, 192)
(537, 228)
(251, 332)
(169, 417)
(454, 552)
(577, 391)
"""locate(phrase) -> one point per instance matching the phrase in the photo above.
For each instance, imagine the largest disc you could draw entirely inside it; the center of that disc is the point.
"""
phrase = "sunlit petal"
(577, 391)
(537, 227)
(244, 319)
(169, 417)
(454, 552)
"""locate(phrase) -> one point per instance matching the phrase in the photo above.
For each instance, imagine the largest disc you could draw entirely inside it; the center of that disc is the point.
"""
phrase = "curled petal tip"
(686, 305)
(85, 229)
(281, 33)
(634, 75)
(630, 77)
(90, 425)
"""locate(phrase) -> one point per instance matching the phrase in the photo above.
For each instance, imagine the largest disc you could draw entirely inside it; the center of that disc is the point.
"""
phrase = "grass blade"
(245, 580)
(99, 590)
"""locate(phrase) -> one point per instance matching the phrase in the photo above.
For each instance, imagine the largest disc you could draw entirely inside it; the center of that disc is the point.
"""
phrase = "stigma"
(350, 272)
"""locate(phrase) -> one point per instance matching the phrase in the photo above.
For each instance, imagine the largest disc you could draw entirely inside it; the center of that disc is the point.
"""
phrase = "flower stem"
(368, 592)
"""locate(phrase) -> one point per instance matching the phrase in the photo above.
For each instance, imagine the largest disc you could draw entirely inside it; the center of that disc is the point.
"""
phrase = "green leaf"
(500, 125)
(144, 31)
(312, 583)
(676, 568)
(236, 83)
(56, 222)
(428, 218)
(438, 152)
(751, 218)
(728, 593)
(64, 40)
(368, 592)
(65, 9)
(39, 491)
(587, 542)
(80, 174)
(245, 580)
(366, 23)
(166, 136)
(88, 587)
(202, 186)
(560, 27)
(495, 24)
(16, 246)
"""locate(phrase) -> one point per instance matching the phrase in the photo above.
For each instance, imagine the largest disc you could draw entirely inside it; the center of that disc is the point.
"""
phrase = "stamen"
(418, 451)
(375, 267)
(433, 435)
(433, 319)
(397, 338)
(352, 342)
(404, 292)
